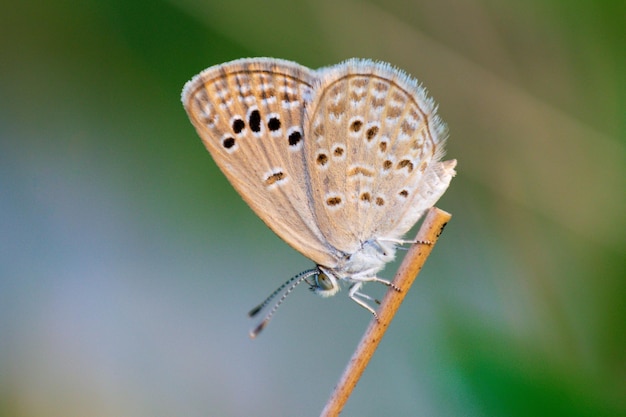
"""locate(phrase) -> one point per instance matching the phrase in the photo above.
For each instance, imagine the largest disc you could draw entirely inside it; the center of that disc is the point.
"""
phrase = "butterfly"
(340, 162)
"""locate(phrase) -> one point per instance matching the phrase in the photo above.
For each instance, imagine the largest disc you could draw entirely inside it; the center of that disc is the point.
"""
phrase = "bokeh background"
(128, 263)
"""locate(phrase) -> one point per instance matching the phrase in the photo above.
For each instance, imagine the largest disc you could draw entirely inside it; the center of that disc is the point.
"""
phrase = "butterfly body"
(340, 162)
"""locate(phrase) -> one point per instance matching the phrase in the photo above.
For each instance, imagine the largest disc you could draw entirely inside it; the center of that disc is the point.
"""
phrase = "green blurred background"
(128, 263)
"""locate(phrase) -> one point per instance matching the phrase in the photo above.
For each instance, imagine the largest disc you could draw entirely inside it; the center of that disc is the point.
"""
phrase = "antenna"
(290, 284)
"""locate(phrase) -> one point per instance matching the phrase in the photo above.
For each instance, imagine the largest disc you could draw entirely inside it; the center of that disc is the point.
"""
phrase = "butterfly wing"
(249, 115)
(373, 150)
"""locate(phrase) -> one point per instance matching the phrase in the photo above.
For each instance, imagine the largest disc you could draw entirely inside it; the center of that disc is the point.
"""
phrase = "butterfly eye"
(324, 283)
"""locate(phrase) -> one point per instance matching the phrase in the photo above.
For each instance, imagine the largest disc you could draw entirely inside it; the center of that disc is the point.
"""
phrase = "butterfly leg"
(406, 242)
(375, 279)
(354, 295)
(358, 297)
(365, 296)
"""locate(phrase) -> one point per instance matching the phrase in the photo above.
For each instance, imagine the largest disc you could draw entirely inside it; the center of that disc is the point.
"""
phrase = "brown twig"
(411, 265)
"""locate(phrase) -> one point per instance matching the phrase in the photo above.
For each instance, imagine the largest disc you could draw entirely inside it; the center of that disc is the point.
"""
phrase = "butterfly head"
(325, 283)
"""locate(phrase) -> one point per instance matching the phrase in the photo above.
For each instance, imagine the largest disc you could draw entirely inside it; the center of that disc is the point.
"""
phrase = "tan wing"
(249, 115)
(373, 151)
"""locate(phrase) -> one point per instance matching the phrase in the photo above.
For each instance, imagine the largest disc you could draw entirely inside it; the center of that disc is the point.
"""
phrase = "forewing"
(249, 115)
(373, 151)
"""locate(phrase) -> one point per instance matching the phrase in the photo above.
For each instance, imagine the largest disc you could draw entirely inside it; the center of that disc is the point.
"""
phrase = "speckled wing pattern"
(328, 159)
(249, 115)
(373, 144)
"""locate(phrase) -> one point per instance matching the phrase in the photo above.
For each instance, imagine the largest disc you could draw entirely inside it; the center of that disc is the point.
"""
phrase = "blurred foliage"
(126, 257)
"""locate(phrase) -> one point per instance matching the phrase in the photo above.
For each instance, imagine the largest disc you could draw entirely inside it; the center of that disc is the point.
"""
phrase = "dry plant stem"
(411, 265)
